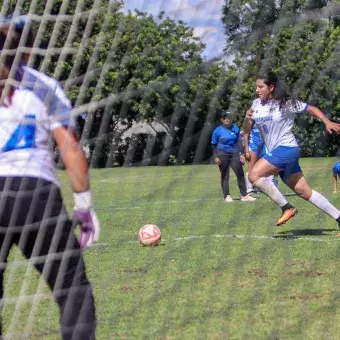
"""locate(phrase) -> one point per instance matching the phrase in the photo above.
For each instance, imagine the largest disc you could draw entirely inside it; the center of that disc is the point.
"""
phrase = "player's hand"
(218, 161)
(249, 114)
(332, 127)
(242, 159)
(247, 156)
(89, 227)
(85, 216)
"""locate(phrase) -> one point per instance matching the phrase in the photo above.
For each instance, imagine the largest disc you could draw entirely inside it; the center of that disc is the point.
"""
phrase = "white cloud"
(203, 15)
(205, 31)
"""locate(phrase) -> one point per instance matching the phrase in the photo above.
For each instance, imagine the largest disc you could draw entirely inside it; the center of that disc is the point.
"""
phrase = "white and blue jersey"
(226, 139)
(276, 124)
(36, 108)
(336, 168)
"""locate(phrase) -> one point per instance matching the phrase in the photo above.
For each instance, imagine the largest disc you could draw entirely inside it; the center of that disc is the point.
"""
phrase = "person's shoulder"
(235, 128)
(256, 102)
(217, 129)
(42, 77)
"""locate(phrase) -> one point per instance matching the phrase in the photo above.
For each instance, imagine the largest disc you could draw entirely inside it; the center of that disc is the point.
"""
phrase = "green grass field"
(222, 271)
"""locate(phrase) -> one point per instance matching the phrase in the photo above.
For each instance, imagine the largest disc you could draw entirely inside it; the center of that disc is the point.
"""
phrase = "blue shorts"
(336, 168)
(285, 158)
(259, 149)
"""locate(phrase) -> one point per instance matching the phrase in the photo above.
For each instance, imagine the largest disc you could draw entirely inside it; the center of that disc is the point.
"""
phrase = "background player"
(335, 174)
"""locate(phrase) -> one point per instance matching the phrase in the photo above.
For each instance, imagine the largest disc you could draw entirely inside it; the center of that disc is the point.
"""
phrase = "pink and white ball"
(149, 235)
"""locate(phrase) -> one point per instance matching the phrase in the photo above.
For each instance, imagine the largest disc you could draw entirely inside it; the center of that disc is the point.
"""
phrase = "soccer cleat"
(287, 214)
(248, 199)
(228, 199)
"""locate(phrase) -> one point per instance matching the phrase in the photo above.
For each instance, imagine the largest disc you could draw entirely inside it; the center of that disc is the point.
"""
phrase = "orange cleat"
(286, 216)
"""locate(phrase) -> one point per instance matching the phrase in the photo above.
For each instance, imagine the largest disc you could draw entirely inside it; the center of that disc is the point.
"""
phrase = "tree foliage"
(300, 41)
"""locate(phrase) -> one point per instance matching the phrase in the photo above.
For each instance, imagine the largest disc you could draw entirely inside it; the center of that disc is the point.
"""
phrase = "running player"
(274, 112)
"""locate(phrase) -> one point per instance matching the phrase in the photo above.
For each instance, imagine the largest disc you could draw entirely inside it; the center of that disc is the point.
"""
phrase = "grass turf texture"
(223, 270)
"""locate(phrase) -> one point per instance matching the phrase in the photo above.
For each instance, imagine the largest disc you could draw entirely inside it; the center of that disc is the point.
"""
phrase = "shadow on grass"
(291, 234)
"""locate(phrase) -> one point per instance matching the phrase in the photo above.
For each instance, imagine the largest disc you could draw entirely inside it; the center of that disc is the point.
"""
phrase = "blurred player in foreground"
(34, 109)
(274, 112)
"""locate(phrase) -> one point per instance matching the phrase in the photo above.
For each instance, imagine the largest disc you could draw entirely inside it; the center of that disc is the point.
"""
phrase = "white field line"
(147, 204)
(239, 236)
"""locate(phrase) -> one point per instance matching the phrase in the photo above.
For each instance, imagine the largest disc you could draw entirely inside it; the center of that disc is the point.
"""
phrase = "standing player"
(274, 112)
(335, 174)
(32, 212)
(228, 151)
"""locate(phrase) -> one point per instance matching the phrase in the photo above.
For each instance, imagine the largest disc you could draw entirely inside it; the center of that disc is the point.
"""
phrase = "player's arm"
(246, 145)
(330, 126)
(75, 163)
(248, 122)
(73, 158)
(335, 182)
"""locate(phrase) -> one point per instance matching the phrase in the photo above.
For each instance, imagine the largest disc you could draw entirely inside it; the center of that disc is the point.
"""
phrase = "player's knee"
(253, 177)
(304, 193)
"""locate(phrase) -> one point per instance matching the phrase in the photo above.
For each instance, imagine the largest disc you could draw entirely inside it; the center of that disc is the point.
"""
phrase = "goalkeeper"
(34, 109)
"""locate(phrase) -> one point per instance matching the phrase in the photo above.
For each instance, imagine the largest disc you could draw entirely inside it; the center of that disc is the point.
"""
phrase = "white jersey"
(276, 123)
(37, 107)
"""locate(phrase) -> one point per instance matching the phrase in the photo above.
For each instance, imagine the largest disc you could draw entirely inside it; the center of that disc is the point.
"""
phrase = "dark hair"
(279, 93)
(13, 28)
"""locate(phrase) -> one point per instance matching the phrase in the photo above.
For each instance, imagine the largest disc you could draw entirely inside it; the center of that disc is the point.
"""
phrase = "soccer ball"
(149, 235)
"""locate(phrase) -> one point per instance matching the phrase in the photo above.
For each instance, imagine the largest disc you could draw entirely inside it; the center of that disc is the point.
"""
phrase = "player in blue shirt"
(228, 152)
(254, 149)
(336, 173)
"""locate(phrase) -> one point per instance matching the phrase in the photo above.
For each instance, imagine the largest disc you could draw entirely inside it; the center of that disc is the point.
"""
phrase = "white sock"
(248, 184)
(269, 188)
(323, 204)
(274, 179)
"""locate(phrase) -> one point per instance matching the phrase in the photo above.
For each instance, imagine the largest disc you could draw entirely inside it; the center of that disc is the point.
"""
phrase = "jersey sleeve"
(48, 90)
(254, 104)
(215, 137)
(295, 106)
(59, 108)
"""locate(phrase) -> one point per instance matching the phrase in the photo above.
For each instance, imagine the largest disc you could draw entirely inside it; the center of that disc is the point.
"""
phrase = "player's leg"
(297, 182)
(237, 167)
(49, 241)
(225, 171)
(251, 162)
(9, 216)
(259, 177)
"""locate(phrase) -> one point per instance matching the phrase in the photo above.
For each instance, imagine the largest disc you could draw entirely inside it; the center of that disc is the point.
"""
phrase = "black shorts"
(32, 215)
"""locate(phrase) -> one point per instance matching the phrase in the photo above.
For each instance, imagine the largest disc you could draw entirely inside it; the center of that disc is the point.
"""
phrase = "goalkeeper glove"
(85, 216)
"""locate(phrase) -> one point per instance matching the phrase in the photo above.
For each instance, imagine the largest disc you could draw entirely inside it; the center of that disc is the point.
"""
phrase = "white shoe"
(228, 199)
(248, 199)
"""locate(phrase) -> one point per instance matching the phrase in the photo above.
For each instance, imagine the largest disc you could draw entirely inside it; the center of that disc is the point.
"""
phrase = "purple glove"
(87, 219)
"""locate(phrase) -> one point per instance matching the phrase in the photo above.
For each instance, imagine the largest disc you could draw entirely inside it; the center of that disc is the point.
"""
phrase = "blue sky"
(203, 15)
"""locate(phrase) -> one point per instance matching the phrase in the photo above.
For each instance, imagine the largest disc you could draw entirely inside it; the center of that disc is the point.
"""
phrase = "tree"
(298, 40)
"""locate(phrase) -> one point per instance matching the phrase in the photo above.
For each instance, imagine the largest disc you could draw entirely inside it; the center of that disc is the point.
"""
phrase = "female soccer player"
(228, 151)
(32, 212)
(273, 112)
